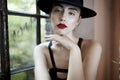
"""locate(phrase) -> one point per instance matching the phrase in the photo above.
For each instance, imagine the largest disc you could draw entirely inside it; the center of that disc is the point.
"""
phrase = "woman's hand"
(61, 39)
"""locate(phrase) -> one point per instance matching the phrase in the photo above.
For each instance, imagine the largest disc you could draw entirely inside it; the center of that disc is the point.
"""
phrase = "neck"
(74, 38)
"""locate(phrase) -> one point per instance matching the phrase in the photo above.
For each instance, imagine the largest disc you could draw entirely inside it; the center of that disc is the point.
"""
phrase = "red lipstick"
(61, 26)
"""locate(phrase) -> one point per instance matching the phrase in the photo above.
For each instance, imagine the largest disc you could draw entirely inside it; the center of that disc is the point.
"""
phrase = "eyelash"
(71, 13)
(59, 11)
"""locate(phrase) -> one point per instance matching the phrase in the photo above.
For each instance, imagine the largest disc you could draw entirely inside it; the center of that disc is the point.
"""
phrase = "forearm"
(75, 65)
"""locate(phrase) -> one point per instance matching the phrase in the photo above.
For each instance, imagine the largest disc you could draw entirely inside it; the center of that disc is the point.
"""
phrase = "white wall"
(86, 29)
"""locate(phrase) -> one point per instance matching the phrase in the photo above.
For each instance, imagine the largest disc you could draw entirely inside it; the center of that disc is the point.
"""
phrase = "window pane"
(22, 40)
(43, 13)
(28, 75)
(45, 28)
(26, 6)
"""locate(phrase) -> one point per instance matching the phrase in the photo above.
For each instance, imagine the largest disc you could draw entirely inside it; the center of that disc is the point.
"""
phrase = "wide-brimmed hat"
(46, 6)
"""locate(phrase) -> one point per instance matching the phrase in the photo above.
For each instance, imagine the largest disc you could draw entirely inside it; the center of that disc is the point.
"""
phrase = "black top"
(53, 71)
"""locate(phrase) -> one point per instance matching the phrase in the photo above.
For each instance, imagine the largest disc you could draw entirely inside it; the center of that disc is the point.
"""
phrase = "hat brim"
(46, 6)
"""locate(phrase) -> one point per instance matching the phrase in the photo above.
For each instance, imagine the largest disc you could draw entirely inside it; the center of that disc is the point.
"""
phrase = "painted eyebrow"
(73, 9)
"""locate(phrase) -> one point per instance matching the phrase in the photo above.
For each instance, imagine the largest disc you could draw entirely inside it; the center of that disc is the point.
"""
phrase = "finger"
(48, 37)
(54, 37)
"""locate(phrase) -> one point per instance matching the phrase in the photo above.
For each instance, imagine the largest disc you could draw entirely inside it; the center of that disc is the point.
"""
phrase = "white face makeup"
(64, 18)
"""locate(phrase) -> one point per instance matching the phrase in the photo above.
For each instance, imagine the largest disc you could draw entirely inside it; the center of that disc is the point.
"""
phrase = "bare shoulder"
(39, 55)
(91, 47)
(90, 43)
(41, 48)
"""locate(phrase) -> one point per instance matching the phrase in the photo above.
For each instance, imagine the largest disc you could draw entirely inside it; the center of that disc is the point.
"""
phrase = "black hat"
(46, 6)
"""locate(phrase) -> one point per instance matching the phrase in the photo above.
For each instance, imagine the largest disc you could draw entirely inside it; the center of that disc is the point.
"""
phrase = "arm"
(91, 61)
(75, 61)
(75, 65)
(41, 70)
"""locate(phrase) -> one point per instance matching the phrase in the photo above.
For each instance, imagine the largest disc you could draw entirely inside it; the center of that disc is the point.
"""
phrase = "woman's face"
(64, 18)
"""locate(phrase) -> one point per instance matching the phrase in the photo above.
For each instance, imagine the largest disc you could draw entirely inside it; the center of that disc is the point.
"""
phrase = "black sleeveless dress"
(53, 71)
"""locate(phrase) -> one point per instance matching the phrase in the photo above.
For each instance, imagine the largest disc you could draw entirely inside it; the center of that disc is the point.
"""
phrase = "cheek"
(53, 19)
(73, 23)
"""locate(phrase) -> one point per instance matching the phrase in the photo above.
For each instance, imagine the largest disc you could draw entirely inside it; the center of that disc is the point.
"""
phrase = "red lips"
(61, 26)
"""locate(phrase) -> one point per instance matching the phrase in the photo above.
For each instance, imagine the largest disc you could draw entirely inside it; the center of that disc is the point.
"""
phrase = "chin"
(61, 33)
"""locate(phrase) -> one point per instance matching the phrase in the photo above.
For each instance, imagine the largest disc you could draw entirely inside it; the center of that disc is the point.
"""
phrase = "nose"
(63, 16)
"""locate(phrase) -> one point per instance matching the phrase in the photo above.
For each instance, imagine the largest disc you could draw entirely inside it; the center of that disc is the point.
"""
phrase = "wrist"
(74, 48)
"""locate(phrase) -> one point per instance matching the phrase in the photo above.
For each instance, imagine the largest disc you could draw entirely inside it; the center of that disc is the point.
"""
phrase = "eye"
(71, 13)
(57, 10)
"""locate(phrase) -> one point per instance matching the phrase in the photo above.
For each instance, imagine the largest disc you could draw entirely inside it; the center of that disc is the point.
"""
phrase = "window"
(21, 28)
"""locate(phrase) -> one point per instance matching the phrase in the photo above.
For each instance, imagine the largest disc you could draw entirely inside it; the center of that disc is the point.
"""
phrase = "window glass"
(27, 75)
(22, 40)
(43, 13)
(45, 28)
(26, 6)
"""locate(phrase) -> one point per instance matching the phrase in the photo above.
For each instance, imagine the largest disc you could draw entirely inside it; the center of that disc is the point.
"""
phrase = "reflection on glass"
(26, 6)
(28, 75)
(48, 27)
(43, 29)
(22, 40)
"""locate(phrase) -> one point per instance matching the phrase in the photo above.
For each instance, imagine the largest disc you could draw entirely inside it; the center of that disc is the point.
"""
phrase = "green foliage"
(22, 36)
(15, 1)
(19, 76)
(21, 2)
(22, 5)
(22, 40)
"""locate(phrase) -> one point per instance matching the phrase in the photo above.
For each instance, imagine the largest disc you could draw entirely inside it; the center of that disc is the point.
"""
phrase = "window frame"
(6, 72)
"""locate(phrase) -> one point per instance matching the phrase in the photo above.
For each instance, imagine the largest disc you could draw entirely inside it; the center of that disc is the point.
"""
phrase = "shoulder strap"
(62, 70)
(80, 42)
(51, 54)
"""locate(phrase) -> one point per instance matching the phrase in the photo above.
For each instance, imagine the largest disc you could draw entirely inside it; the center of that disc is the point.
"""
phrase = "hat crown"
(46, 6)
(76, 2)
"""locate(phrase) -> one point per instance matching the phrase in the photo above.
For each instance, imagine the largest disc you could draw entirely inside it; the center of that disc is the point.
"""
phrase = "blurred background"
(23, 26)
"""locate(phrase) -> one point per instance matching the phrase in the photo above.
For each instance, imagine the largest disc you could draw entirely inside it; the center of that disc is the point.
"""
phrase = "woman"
(66, 56)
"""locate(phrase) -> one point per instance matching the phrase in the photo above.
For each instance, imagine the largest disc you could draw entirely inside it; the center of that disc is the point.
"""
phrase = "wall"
(116, 38)
(99, 28)
(105, 28)
(86, 29)
(103, 25)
